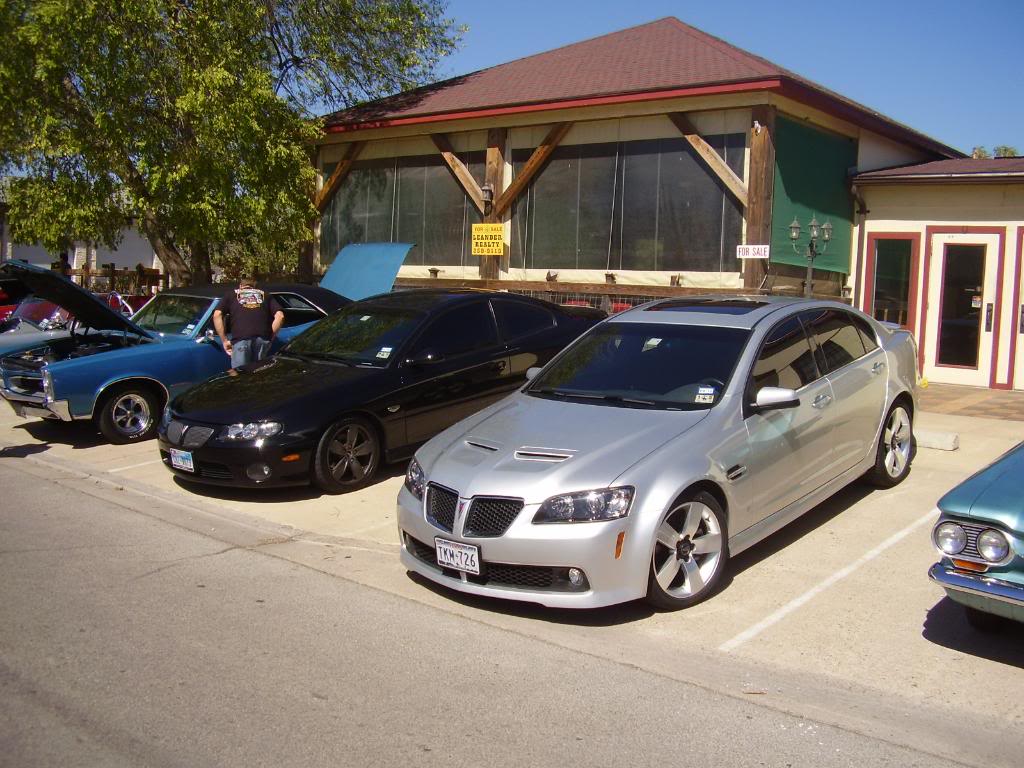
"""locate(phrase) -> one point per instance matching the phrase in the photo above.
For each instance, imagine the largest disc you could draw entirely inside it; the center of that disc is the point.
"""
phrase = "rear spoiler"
(585, 313)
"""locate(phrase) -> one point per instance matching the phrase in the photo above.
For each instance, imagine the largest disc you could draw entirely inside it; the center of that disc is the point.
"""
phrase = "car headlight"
(950, 538)
(415, 479)
(48, 385)
(586, 506)
(993, 546)
(252, 430)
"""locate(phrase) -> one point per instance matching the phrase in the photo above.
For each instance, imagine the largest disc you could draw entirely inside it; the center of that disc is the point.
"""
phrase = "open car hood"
(87, 309)
(365, 269)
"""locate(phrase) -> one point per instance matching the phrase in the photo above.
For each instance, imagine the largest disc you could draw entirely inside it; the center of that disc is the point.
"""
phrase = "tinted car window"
(867, 333)
(359, 333)
(459, 330)
(785, 359)
(836, 339)
(168, 313)
(683, 367)
(517, 319)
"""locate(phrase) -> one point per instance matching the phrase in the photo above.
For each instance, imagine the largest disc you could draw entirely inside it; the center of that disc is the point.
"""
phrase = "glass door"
(960, 318)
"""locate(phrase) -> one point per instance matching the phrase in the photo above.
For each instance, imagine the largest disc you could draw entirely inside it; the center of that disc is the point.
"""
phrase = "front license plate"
(461, 557)
(182, 460)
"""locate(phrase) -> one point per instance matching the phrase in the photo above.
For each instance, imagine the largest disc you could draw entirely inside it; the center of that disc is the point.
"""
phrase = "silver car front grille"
(973, 532)
(491, 517)
(441, 505)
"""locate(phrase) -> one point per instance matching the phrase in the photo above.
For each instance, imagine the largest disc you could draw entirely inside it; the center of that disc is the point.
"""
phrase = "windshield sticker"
(651, 344)
(364, 318)
(705, 395)
(188, 329)
(385, 353)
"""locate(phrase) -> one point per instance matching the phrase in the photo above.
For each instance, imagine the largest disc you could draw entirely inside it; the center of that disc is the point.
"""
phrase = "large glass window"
(517, 319)
(836, 339)
(458, 331)
(891, 299)
(640, 205)
(406, 199)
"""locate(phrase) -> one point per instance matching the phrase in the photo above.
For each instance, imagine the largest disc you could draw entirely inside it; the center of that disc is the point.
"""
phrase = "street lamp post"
(817, 231)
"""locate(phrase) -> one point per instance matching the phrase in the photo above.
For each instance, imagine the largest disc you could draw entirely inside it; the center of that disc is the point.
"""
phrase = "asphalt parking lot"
(838, 602)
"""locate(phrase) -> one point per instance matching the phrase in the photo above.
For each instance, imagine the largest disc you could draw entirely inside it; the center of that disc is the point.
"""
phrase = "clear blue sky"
(951, 69)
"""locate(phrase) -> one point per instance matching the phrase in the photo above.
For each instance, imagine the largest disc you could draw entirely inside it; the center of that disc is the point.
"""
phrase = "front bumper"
(36, 406)
(981, 591)
(217, 464)
(526, 550)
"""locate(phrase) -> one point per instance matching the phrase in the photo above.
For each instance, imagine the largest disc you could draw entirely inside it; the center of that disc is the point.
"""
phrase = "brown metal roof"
(652, 59)
(959, 168)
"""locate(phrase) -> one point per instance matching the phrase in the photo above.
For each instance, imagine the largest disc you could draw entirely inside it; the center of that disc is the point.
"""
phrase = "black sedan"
(363, 387)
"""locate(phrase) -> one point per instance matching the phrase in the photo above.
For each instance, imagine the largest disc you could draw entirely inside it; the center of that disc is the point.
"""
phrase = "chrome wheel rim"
(688, 549)
(131, 415)
(896, 441)
(350, 454)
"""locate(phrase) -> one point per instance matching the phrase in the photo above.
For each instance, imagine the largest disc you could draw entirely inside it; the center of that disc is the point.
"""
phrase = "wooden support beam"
(533, 165)
(707, 153)
(459, 171)
(494, 176)
(323, 197)
(758, 213)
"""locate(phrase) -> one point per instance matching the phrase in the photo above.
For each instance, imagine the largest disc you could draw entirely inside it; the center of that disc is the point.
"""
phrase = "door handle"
(988, 317)
(878, 367)
(821, 401)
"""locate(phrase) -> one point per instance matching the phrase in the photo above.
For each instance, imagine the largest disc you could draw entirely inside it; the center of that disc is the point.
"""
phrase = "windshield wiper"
(591, 396)
(324, 356)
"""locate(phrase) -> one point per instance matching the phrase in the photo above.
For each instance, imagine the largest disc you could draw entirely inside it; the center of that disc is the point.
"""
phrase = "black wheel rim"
(351, 454)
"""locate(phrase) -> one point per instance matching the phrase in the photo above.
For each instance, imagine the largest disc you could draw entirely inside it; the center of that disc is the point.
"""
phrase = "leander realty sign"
(488, 239)
(752, 251)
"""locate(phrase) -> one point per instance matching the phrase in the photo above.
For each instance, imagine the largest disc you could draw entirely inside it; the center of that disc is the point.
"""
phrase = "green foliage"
(1004, 150)
(980, 153)
(193, 118)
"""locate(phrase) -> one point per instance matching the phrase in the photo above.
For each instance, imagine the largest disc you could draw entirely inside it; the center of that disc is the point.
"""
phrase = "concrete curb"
(937, 441)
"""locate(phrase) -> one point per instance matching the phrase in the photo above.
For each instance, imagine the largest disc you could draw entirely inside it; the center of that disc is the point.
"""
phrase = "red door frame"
(868, 299)
(1000, 232)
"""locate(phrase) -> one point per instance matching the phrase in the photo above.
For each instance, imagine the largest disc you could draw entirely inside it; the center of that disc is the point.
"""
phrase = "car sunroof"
(712, 306)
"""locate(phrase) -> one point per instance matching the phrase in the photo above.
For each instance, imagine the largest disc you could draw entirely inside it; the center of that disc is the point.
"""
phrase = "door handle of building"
(821, 401)
(878, 367)
(1020, 327)
(988, 317)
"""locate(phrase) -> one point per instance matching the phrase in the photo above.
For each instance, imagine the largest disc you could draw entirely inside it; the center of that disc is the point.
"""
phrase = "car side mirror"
(531, 373)
(774, 399)
(425, 357)
(210, 336)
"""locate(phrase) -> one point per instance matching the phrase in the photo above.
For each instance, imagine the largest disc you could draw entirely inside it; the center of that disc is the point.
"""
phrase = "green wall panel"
(811, 180)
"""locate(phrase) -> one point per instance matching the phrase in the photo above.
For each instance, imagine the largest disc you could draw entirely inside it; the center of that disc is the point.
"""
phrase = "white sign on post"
(752, 251)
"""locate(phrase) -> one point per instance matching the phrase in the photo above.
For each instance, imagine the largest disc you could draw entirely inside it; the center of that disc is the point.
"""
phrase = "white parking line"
(133, 466)
(752, 632)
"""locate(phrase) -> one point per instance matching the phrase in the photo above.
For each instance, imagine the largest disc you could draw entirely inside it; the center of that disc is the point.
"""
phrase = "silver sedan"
(657, 445)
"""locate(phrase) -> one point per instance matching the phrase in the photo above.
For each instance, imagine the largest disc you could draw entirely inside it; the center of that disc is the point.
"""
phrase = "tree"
(191, 117)
(1003, 150)
(980, 153)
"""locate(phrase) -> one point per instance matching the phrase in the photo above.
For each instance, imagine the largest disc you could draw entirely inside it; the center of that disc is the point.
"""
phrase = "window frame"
(414, 343)
(749, 394)
(498, 302)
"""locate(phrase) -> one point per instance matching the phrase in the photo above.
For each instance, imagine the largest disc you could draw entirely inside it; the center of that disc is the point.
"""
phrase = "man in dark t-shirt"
(255, 320)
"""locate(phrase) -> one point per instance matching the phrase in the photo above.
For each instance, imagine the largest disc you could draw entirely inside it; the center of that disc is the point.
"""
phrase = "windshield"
(684, 367)
(36, 311)
(172, 314)
(357, 334)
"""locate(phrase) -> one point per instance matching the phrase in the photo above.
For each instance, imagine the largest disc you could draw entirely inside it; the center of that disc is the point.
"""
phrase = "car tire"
(680, 575)
(128, 414)
(982, 621)
(896, 448)
(347, 456)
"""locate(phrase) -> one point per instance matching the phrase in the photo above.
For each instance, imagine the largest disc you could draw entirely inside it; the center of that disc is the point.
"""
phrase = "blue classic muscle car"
(980, 535)
(120, 372)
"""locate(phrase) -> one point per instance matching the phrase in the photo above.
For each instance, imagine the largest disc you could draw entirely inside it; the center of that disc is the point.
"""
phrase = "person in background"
(255, 320)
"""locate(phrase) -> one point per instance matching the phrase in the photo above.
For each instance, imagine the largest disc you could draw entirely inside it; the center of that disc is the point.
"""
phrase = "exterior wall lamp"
(817, 232)
(487, 195)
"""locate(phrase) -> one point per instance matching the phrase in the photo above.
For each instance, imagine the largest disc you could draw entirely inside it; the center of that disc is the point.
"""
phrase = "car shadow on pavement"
(76, 434)
(276, 495)
(21, 451)
(946, 625)
(796, 530)
(594, 617)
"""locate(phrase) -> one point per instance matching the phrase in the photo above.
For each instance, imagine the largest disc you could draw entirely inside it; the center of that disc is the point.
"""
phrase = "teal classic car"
(980, 535)
(120, 372)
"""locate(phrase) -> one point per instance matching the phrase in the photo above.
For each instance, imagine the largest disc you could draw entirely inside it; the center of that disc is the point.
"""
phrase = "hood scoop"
(546, 455)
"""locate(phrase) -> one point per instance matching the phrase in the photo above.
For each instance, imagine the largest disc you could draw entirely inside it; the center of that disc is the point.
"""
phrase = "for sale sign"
(488, 239)
(752, 251)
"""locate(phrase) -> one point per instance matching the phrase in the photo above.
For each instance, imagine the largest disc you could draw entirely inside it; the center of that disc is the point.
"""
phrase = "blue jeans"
(248, 350)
